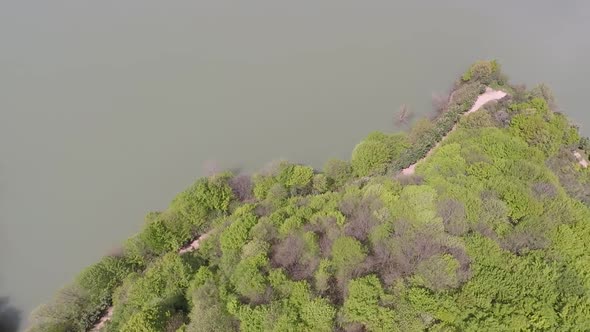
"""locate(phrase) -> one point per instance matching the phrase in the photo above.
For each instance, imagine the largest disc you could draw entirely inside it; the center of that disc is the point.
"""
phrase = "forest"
(490, 233)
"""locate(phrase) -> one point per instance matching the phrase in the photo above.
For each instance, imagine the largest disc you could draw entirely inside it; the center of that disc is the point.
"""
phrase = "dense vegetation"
(490, 234)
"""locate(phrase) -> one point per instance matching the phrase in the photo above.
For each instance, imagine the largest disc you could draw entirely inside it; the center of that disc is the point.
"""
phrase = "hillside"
(477, 219)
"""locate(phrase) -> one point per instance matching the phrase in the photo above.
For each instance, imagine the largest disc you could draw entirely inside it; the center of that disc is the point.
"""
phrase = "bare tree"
(440, 102)
(359, 213)
(211, 167)
(241, 186)
(454, 216)
(404, 115)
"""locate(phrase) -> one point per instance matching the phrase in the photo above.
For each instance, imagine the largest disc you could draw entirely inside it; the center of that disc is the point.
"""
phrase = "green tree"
(339, 171)
(362, 305)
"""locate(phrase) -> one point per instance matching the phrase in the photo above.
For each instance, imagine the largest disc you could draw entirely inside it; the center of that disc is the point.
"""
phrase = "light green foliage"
(322, 276)
(297, 311)
(483, 71)
(338, 171)
(541, 128)
(478, 119)
(295, 176)
(373, 155)
(203, 196)
(420, 130)
(247, 277)
(150, 319)
(143, 298)
(235, 235)
(418, 203)
(491, 234)
(100, 279)
(363, 305)
(320, 183)
(262, 185)
(346, 254)
(370, 157)
(165, 232)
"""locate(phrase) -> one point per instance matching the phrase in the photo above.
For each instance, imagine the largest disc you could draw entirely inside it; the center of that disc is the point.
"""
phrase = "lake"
(109, 108)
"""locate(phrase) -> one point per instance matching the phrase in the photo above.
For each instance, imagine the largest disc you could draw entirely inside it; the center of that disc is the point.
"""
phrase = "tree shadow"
(10, 317)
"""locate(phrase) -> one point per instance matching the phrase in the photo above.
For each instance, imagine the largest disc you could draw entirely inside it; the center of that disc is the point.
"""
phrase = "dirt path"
(194, 245)
(103, 320)
(583, 162)
(482, 99)
(188, 248)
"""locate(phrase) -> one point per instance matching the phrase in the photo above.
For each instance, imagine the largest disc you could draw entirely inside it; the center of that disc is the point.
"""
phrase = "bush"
(193, 205)
(478, 120)
(370, 158)
(420, 130)
(485, 72)
(454, 216)
(69, 310)
(463, 98)
(363, 305)
(241, 186)
(338, 172)
(209, 313)
(438, 272)
(147, 299)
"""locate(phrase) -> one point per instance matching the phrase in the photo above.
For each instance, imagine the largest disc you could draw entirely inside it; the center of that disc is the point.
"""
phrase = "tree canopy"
(490, 234)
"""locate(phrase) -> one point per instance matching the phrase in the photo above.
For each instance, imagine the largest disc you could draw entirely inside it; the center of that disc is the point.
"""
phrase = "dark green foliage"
(491, 234)
(338, 172)
(147, 300)
(485, 72)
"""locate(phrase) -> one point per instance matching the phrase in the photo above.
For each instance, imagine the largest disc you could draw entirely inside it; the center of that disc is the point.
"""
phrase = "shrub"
(320, 183)
(338, 171)
(454, 216)
(69, 310)
(146, 299)
(370, 157)
(165, 232)
(421, 129)
(347, 254)
(206, 195)
(484, 72)
(209, 313)
(241, 186)
(477, 120)
(438, 272)
(363, 305)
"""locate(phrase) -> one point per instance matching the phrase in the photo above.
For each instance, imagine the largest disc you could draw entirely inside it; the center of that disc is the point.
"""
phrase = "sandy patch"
(583, 162)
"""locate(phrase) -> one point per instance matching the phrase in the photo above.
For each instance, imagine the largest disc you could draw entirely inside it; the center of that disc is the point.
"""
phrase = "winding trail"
(489, 95)
(186, 249)
(103, 320)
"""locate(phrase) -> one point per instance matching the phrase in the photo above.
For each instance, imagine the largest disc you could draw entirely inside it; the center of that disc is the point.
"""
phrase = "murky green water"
(109, 108)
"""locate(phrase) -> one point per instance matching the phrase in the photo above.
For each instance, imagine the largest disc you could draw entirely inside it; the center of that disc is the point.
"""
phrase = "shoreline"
(484, 98)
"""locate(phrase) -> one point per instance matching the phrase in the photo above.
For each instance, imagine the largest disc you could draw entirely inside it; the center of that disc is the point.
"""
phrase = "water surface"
(109, 108)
